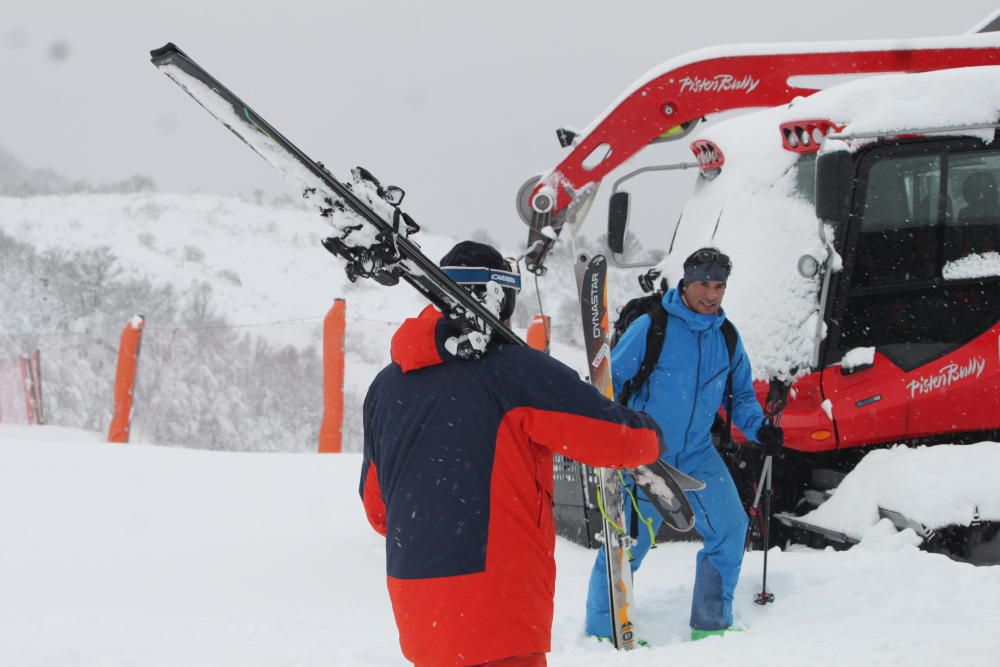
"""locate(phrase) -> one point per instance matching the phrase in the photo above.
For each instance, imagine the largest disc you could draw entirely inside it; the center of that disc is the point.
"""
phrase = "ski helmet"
(477, 266)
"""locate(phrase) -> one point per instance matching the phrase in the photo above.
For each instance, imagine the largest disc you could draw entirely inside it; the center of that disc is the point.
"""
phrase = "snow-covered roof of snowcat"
(762, 218)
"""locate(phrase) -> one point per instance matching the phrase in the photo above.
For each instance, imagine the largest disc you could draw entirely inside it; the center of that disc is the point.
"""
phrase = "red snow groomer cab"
(863, 221)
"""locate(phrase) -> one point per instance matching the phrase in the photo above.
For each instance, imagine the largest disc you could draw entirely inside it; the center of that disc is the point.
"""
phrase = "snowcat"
(863, 221)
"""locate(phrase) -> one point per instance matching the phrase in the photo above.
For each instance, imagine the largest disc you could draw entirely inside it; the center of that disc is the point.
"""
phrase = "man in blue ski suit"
(683, 394)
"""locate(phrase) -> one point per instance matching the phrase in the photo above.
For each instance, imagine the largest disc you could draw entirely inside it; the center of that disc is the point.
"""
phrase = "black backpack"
(651, 304)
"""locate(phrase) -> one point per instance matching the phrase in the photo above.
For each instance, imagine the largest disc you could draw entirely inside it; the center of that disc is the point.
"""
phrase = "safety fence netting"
(21, 390)
(211, 385)
(255, 387)
(228, 388)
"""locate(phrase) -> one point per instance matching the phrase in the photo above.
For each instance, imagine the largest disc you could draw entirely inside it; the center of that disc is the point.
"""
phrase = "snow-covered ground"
(913, 482)
(142, 555)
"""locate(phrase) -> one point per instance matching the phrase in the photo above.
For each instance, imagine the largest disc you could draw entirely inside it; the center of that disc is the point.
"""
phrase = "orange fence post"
(539, 333)
(128, 364)
(331, 429)
(29, 403)
(35, 367)
(31, 377)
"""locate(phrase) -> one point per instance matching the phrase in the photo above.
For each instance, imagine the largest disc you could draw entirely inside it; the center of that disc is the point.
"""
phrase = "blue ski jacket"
(687, 385)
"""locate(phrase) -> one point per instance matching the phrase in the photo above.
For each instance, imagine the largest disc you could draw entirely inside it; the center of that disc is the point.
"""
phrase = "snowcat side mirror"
(618, 213)
(834, 186)
(617, 222)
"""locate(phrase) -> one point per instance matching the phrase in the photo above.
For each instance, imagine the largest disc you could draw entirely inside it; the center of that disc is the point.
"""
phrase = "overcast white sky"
(455, 101)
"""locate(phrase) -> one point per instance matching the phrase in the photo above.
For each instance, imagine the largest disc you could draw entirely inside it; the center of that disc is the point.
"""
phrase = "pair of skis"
(370, 231)
(373, 234)
(661, 483)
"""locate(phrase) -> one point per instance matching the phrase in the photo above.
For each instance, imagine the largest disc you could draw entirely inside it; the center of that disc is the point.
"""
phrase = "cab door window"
(974, 231)
(899, 226)
(918, 259)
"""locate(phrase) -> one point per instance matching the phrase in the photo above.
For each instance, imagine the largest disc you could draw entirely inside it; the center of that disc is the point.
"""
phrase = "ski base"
(664, 487)
(616, 548)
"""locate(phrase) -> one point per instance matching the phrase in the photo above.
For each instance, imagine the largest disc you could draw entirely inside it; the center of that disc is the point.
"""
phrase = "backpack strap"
(730, 336)
(654, 345)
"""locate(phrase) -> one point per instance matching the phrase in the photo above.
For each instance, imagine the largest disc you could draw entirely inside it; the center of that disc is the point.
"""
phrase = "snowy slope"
(267, 271)
(261, 265)
(140, 555)
(264, 262)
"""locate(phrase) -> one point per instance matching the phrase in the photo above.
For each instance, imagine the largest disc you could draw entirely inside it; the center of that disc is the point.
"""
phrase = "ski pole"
(764, 486)
(776, 399)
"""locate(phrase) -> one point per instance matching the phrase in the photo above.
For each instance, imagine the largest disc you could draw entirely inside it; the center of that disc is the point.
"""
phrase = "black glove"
(771, 438)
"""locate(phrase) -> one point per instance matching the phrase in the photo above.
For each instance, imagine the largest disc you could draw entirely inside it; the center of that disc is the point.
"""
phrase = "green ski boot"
(704, 634)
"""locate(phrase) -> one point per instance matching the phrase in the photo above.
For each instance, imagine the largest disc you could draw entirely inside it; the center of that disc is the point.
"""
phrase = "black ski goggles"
(709, 256)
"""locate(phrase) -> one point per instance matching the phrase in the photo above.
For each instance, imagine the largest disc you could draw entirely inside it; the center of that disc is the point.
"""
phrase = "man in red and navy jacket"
(457, 475)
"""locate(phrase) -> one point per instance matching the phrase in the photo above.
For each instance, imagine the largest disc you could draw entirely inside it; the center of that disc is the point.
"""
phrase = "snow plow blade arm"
(690, 87)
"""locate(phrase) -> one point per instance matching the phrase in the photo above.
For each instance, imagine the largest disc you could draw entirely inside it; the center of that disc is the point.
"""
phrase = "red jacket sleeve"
(559, 411)
(596, 442)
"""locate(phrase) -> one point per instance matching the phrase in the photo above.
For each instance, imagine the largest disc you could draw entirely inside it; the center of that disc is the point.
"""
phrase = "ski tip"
(691, 484)
(165, 51)
(684, 481)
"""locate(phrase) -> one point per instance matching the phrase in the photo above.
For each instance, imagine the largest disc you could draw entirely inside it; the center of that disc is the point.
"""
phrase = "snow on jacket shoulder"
(457, 474)
(687, 385)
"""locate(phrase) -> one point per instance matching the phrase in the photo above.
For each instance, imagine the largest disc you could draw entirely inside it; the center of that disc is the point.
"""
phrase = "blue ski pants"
(722, 524)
